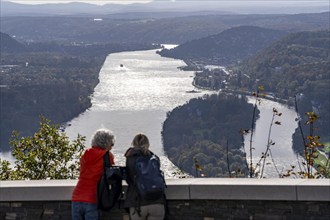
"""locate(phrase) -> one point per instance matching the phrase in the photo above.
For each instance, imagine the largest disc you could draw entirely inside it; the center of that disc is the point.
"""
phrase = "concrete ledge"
(184, 189)
(311, 190)
(245, 189)
(36, 190)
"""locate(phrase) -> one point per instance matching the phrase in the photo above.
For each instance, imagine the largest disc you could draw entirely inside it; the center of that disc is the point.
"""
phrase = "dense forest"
(48, 79)
(53, 85)
(203, 129)
(290, 65)
(296, 65)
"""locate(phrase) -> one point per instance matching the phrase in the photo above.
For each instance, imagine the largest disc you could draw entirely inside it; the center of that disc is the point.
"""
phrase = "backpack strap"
(107, 164)
(137, 198)
(106, 159)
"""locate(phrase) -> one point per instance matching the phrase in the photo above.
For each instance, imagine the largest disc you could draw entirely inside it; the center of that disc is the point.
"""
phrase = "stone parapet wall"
(189, 199)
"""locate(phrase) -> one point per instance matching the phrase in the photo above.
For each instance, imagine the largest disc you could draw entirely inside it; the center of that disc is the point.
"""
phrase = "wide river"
(138, 88)
(135, 97)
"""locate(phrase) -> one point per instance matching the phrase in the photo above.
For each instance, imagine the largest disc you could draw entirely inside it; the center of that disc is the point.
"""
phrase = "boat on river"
(193, 91)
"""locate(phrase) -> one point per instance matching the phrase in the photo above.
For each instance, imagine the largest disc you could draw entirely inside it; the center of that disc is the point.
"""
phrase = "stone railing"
(189, 199)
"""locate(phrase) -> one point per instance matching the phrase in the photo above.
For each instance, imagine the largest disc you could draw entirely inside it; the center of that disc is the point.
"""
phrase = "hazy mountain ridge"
(9, 44)
(75, 8)
(149, 30)
(228, 47)
(17, 9)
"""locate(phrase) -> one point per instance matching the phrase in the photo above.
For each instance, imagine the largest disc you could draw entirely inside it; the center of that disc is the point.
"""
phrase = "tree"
(5, 170)
(48, 154)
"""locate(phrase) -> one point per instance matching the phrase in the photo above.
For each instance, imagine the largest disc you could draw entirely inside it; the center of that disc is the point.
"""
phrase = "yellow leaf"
(261, 88)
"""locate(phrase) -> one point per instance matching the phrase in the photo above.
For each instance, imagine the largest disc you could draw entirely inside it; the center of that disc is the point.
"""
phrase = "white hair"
(103, 138)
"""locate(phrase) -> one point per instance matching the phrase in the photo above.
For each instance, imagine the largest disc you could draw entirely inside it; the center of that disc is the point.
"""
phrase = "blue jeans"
(84, 211)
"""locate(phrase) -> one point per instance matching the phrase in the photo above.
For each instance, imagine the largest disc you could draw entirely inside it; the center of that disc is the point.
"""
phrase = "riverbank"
(288, 102)
(135, 99)
(266, 105)
(66, 74)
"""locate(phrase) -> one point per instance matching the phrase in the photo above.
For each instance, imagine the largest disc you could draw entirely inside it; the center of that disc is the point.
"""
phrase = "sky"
(102, 2)
(96, 2)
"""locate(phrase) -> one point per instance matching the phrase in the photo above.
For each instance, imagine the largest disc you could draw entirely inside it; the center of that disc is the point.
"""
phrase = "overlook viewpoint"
(233, 95)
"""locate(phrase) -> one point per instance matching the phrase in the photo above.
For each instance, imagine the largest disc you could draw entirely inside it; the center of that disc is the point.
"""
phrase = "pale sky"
(102, 2)
(96, 2)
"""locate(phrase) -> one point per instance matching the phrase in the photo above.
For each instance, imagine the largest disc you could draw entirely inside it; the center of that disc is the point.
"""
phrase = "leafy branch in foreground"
(257, 101)
(5, 170)
(268, 153)
(48, 154)
(312, 151)
(199, 168)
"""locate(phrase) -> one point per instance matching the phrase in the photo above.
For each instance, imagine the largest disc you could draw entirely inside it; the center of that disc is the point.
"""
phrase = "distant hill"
(75, 8)
(179, 7)
(298, 64)
(114, 28)
(228, 47)
(284, 66)
(9, 44)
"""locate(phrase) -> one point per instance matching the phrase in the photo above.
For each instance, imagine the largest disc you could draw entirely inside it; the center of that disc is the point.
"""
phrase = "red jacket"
(91, 169)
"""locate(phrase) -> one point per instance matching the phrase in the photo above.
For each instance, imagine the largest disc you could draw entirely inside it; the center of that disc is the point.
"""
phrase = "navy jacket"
(132, 198)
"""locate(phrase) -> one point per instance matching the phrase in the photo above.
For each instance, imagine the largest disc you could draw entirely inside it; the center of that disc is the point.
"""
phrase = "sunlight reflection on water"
(135, 97)
(281, 135)
(135, 92)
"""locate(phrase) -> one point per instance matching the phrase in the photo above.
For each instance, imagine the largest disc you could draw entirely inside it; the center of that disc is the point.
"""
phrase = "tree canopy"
(205, 129)
(48, 154)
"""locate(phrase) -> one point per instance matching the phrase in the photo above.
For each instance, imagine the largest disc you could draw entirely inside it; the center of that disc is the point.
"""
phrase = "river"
(281, 135)
(135, 92)
(138, 88)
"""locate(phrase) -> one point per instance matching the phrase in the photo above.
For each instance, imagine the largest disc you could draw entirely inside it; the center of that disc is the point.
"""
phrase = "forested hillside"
(202, 129)
(229, 47)
(289, 64)
(298, 64)
(147, 28)
(8, 44)
(48, 79)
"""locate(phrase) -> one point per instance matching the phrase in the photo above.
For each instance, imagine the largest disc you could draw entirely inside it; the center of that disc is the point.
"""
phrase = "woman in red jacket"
(84, 202)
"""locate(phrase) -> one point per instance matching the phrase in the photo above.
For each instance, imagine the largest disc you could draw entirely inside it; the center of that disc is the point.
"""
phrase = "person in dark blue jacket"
(140, 209)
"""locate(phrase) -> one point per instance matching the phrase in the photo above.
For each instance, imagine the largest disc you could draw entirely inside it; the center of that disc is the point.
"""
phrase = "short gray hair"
(103, 138)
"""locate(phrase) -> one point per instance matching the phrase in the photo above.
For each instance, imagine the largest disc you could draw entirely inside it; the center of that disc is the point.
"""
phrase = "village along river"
(138, 88)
